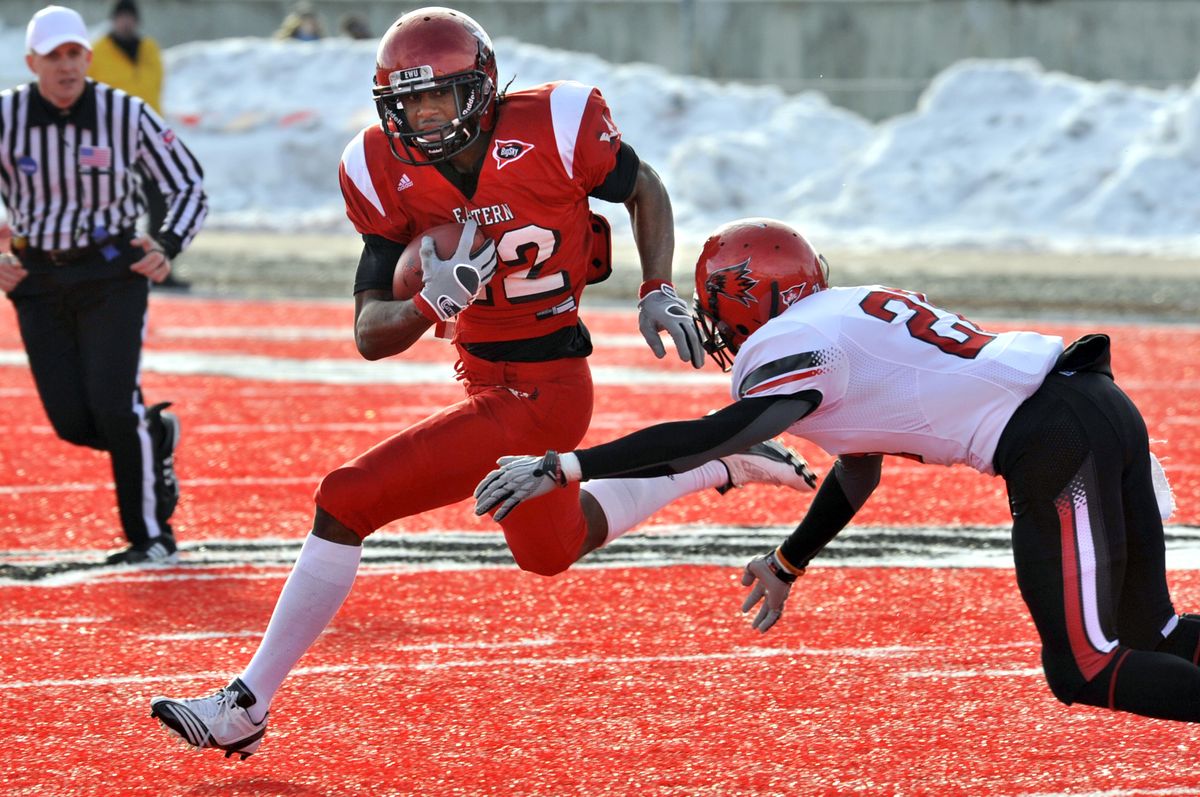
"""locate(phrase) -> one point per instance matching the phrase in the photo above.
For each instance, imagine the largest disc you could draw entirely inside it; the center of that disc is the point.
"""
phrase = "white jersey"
(894, 374)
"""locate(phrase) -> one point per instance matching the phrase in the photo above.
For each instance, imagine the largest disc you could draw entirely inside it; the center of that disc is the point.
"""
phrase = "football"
(408, 280)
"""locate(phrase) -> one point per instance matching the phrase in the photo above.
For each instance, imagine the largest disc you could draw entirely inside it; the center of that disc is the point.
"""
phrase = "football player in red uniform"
(867, 369)
(451, 147)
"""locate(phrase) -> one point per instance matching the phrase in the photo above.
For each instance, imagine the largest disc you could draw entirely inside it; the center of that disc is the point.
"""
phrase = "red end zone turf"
(441, 677)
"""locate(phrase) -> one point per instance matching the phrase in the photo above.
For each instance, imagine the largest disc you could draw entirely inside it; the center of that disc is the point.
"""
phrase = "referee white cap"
(54, 26)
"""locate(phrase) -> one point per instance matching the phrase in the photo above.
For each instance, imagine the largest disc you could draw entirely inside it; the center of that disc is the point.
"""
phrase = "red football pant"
(511, 408)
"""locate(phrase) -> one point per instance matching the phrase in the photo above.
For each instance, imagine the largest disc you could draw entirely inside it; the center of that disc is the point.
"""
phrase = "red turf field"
(442, 676)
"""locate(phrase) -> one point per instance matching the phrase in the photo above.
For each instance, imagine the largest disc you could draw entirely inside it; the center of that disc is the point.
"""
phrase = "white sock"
(627, 502)
(311, 596)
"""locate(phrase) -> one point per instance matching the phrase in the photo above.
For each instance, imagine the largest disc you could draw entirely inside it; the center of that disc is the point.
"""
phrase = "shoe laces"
(227, 699)
(222, 701)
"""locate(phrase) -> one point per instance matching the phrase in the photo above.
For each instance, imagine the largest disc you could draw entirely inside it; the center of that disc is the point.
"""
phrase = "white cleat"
(219, 720)
(770, 462)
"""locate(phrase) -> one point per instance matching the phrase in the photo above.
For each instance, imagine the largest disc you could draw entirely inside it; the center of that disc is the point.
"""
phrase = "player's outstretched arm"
(660, 309)
(658, 450)
(842, 494)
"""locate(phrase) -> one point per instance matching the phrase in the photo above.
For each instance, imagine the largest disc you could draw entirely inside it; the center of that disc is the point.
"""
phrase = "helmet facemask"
(715, 335)
(474, 94)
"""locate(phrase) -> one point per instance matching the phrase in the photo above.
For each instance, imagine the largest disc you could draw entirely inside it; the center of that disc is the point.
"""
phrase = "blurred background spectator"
(126, 59)
(354, 26)
(303, 23)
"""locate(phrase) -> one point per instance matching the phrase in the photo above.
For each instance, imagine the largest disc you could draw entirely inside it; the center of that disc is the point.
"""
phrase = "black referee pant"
(1089, 550)
(83, 326)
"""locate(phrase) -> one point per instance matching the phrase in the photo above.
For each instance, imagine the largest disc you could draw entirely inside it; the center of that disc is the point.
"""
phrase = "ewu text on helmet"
(434, 55)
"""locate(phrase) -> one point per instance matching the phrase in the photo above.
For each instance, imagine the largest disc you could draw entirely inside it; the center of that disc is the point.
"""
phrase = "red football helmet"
(750, 271)
(435, 49)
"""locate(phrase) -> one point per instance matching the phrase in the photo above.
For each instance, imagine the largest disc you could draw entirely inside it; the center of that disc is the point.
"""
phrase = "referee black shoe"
(159, 551)
(164, 432)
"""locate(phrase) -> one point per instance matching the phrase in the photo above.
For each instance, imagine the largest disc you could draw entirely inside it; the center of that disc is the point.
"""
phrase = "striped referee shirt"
(69, 178)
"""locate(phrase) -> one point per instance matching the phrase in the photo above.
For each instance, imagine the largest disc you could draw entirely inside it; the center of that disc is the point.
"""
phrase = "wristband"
(778, 569)
(572, 471)
(425, 308)
(786, 565)
(550, 466)
(650, 286)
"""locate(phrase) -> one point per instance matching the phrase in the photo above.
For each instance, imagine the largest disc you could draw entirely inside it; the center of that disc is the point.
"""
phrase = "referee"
(78, 275)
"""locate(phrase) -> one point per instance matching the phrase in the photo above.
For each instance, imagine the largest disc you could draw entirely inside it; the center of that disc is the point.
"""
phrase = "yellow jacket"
(111, 65)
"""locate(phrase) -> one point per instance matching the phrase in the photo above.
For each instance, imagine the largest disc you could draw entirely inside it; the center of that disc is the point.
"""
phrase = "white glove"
(661, 310)
(771, 581)
(451, 285)
(518, 479)
(1162, 489)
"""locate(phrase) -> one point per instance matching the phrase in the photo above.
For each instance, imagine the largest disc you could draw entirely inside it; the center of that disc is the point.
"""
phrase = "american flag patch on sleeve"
(96, 157)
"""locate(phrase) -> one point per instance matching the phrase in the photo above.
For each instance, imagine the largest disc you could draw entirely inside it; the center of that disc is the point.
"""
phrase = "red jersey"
(552, 145)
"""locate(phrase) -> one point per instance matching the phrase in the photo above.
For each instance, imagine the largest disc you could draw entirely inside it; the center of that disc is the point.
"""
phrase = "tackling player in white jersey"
(868, 371)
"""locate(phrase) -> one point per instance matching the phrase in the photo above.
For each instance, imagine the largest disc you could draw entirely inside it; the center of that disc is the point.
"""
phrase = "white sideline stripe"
(889, 652)
(570, 661)
(344, 371)
(315, 670)
(388, 425)
(284, 333)
(56, 621)
(198, 635)
(654, 546)
(87, 487)
(344, 333)
(1023, 672)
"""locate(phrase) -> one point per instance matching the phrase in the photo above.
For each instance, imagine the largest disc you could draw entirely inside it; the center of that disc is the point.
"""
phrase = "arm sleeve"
(180, 178)
(377, 263)
(682, 445)
(619, 184)
(842, 494)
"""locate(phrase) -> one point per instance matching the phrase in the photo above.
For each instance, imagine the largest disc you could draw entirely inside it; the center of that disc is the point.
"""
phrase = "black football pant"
(1089, 551)
(83, 338)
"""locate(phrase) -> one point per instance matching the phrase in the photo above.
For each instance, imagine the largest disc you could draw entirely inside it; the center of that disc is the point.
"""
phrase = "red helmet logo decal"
(794, 294)
(734, 283)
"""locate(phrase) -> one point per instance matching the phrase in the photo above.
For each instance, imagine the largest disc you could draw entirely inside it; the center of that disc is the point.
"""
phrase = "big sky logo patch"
(510, 151)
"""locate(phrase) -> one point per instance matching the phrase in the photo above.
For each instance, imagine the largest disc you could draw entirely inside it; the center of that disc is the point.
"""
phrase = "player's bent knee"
(539, 550)
(344, 494)
(1066, 694)
(542, 565)
(547, 536)
(78, 435)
